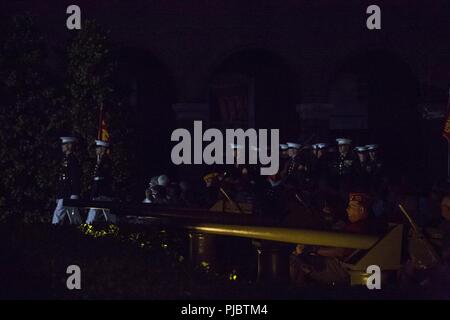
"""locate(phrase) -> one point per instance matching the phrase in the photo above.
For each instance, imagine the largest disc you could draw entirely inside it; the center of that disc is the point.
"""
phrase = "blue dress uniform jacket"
(103, 178)
(102, 190)
(342, 171)
(69, 177)
(69, 186)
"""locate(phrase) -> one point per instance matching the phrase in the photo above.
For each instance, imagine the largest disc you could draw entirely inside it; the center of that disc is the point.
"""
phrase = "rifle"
(303, 203)
(421, 238)
(226, 194)
(231, 200)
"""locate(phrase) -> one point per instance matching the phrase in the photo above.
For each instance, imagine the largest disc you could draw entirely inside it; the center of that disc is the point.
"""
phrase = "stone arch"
(252, 87)
(380, 85)
(150, 90)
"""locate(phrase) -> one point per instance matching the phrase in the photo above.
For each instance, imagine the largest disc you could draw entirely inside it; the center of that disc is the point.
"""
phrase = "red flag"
(103, 133)
(446, 131)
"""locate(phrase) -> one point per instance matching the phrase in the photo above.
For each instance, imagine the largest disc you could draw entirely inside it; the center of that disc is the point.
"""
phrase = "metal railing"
(229, 224)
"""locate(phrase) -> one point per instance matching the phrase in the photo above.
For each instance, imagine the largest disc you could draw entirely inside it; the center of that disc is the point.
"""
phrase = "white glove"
(74, 197)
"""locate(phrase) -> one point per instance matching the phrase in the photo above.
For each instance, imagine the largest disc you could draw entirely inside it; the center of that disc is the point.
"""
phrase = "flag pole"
(100, 119)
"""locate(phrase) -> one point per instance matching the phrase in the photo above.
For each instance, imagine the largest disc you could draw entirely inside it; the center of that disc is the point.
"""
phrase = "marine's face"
(100, 151)
(292, 152)
(372, 155)
(343, 148)
(321, 152)
(362, 156)
(66, 147)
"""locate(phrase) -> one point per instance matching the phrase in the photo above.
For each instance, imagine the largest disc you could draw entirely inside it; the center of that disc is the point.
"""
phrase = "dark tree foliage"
(28, 104)
(36, 107)
(89, 86)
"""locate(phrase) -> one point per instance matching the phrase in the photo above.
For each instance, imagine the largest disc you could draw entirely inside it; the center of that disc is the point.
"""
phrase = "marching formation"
(320, 186)
(69, 182)
(313, 176)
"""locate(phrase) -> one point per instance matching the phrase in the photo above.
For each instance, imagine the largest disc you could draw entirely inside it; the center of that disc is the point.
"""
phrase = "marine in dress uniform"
(284, 156)
(375, 166)
(319, 163)
(68, 183)
(378, 182)
(344, 162)
(342, 169)
(294, 165)
(102, 183)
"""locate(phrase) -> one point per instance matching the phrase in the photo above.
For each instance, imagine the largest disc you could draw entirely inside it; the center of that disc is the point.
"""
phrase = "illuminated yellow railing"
(236, 225)
(310, 237)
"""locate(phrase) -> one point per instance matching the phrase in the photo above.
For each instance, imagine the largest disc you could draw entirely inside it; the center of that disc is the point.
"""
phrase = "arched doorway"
(252, 88)
(376, 96)
(150, 92)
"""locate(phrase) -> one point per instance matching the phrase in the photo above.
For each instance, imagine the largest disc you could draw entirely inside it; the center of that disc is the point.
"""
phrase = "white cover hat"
(342, 141)
(68, 140)
(283, 146)
(293, 145)
(371, 147)
(361, 149)
(101, 143)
